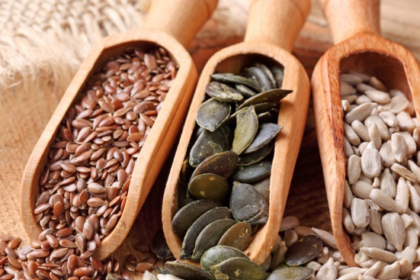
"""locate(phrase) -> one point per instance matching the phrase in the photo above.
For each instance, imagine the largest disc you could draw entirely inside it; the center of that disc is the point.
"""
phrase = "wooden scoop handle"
(180, 18)
(347, 18)
(276, 21)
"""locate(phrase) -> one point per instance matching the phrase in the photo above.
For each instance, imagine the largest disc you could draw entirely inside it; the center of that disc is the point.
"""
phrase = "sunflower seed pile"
(224, 187)
(382, 191)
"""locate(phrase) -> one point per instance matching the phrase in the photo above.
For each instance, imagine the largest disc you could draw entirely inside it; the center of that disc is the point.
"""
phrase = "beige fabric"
(48, 39)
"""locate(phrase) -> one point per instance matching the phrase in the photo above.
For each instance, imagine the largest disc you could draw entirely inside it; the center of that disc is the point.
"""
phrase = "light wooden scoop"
(172, 25)
(355, 28)
(272, 28)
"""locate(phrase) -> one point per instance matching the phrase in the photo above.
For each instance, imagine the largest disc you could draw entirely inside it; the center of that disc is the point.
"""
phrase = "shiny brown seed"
(67, 243)
(88, 230)
(39, 253)
(72, 264)
(11, 252)
(111, 222)
(64, 232)
(41, 208)
(14, 262)
(32, 268)
(97, 265)
(58, 253)
(58, 209)
(95, 202)
(127, 275)
(14, 243)
(52, 240)
(82, 271)
(143, 266)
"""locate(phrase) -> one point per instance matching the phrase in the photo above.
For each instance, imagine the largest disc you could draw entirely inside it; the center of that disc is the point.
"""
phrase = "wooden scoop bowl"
(172, 25)
(355, 28)
(272, 28)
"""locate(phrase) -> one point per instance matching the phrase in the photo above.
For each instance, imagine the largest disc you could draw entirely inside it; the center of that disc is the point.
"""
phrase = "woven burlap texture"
(48, 39)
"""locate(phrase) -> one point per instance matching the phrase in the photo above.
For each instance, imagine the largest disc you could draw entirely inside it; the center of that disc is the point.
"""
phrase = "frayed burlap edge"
(46, 40)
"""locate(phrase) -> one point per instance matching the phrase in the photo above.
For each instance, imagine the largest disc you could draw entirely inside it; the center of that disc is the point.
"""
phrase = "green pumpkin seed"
(238, 236)
(188, 214)
(252, 173)
(263, 187)
(212, 215)
(291, 273)
(266, 133)
(209, 186)
(260, 77)
(255, 157)
(218, 254)
(278, 73)
(187, 271)
(245, 131)
(238, 269)
(222, 164)
(209, 237)
(247, 204)
(259, 108)
(268, 73)
(212, 114)
(303, 251)
(223, 92)
(235, 79)
(265, 117)
(245, 91)
(160, 247)
(272, 96)
(210, 143)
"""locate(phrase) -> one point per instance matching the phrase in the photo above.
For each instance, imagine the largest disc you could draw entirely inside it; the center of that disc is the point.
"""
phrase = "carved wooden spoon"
(172, 25)
(272, 28)
(355, 28)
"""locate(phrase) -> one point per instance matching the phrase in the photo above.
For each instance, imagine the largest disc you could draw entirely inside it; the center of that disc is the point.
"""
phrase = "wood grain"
(357, 48)
(24, 113)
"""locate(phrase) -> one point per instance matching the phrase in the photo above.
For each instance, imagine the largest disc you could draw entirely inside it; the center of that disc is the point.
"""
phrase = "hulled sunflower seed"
(394, 230)
(361, 130)
(371, 161)
(353, 168)
(383, 200)
(360, 113)
(360, 212)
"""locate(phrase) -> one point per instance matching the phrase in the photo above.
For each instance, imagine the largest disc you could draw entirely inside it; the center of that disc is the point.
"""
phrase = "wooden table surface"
(24, 113)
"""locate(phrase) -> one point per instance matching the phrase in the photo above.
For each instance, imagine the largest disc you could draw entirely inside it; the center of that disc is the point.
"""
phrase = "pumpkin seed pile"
(300, 253)
(382, 191)
(227, 172)
(224, 187)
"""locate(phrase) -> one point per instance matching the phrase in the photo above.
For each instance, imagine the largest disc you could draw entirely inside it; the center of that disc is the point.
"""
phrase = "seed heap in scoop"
(224, 187)
(382, 192)
(84, 184)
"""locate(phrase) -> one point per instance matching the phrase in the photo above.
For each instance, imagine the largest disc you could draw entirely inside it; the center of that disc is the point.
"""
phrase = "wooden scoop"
(355, 28)
(272, 28)
(172, 25)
